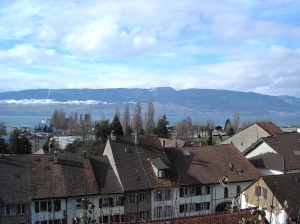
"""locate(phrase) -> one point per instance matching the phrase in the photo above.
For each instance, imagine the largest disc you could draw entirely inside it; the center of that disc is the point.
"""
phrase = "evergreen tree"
(116, 126)
(102, 130)
(161, 129)
(19, 144)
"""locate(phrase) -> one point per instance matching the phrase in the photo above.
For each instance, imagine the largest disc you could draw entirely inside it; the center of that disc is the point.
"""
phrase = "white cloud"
(27, 54)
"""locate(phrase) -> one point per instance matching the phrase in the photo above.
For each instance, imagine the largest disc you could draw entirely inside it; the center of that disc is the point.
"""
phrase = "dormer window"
(159, 167)
(161, 174)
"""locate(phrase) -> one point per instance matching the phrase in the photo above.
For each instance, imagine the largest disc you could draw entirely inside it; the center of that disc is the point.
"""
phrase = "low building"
(278, 194)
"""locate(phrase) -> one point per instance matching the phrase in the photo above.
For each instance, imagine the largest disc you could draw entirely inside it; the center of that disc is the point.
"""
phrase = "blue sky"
(241, 45)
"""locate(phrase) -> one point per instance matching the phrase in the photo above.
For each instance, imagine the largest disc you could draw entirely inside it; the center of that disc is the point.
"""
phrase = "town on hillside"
(73, 170)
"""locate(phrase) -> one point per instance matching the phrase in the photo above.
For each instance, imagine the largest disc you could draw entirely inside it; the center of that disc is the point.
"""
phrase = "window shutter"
(208, 189)
(155, 195)
(198, 191)
(265, 193)
(257, 191)
(181, 192)
(100, 203)
(171, 194)
(122, 201)
(111, 202)
(147, 198)
(181, 208)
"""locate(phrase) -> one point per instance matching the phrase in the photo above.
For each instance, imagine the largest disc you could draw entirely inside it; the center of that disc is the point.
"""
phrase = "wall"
(244, 139)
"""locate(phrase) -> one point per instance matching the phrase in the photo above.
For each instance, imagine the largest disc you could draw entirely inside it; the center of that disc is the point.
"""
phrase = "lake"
(287, 120)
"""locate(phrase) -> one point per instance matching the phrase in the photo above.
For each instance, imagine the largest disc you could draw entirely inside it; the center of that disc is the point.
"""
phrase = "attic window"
(47, 167)
(159, 167)
(37, 159)
(186, 153)
(136, 177)
(127, 150)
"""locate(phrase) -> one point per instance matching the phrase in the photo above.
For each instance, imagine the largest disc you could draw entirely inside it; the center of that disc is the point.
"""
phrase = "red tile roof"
(208, 164)
(71, 176)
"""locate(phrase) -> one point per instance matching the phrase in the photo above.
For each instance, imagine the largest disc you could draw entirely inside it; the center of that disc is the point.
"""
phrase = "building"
(245, 138)
(276, 154)
(278, 194)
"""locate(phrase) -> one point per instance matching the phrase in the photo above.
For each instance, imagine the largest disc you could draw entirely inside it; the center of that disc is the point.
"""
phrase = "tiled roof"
(14, 179)
(208, 164)
(128, 164)
(150, 148)
(285, 144)
(71, 176)
(171, 142)
(271, 161)
(269, 127)
(286, 188)
(35, 137)
(105, 176)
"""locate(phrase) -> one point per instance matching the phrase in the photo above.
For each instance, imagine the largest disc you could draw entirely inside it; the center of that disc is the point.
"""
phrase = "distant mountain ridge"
(190, 102)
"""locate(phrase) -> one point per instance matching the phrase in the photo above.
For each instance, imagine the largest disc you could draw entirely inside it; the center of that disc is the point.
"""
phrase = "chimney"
(113, 136)
(163, 144)
(136, 139)
(55, 155)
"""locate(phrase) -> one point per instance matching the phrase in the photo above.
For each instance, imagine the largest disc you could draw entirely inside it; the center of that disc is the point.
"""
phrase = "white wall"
(261, 149)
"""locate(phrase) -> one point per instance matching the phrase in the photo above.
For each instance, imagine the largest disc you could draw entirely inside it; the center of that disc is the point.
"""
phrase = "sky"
(239, 45)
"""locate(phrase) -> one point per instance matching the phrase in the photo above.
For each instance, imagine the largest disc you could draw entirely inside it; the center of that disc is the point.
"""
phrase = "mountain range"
(189, 102)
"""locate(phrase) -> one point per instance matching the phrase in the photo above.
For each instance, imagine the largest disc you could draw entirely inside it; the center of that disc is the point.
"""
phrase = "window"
(225, 192)
(162, 195)
(161, 174)
(78, 203)
(43, 206)
(21, 209)
(193, 207)
(105, 202)
(118, 201)
(162, 211)
(142, 198)
(57, 205)
(238, 189)
(143, 215)
(260, 192)
(105, 219)
(132, 199)
(205, 190)
(190, 191)
(167, 194)
(6, 210)
(204, 206)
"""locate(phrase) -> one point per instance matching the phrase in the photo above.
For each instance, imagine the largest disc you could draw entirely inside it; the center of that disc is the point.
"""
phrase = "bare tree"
(136, 122)
(149, 117)
(236, 121)
(117, 113)
(126, 120)
(246, 123)
(184, 127)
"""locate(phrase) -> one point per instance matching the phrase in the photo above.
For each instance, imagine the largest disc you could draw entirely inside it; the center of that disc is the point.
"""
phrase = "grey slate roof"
(106, 178)
(14, 179)
(129, 164)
